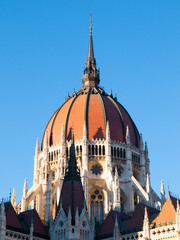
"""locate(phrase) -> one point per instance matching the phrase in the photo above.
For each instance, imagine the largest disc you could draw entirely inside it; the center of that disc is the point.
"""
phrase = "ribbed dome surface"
(94, 107)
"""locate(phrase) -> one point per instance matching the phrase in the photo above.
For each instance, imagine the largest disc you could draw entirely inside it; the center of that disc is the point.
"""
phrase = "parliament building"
(91, 176)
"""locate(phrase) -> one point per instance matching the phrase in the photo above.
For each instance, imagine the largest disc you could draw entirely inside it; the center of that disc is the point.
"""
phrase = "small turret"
(148, 186)
(146, 150)
(46, 141)
(146, 226)
(84, 131)
(36, 161)
(77, 217)
(62, 135)
(117, 193)
(2, 221)
(37, 148)
(108, 132)
(24, 197)
(163, 198)
(141, 143)
(178, 219)
(48, 201)
(128, 137)
(116, 233)
(13, 200)
(25, 189)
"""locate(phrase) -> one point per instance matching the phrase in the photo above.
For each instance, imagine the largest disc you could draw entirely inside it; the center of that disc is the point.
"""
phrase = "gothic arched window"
(96, 150)
(97, 209)
(118, 152)
(103, 150)
(92, 149)
(89, 150)
(114, 151)
(99, 150)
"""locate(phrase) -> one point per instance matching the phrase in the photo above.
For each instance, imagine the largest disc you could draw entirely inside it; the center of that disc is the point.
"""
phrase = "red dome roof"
(93, 106)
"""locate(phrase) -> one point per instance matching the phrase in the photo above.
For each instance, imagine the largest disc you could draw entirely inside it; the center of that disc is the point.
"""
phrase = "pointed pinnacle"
(145, 213)
(162, 188)
(2, 208)
(107, 131)
(25, 189)
(37, 147)
(46, 140)
(77, 213)
(128, 138)
(13, 200)
(148, 186)
(62, 134)
(116, 222)
(84, 131)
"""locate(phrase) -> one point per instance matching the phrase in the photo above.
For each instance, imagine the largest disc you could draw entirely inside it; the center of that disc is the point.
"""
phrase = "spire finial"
(90, 24)
(90, 74)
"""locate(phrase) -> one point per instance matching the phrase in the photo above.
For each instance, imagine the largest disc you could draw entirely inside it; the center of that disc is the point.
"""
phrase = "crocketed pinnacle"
(90, 74)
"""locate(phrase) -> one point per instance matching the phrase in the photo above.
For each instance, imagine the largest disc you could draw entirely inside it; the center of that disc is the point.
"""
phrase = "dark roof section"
(38, 227)
(12, 221)
(136, 222)
(174, 201)
(107, 228)
(72, 195)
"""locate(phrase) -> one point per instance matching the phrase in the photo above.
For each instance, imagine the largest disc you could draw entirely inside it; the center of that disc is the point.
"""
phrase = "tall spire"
(90, 74)
(72, 171)
(90, 50)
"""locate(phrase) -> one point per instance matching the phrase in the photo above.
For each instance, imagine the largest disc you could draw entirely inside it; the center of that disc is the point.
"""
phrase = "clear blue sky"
(43, 48)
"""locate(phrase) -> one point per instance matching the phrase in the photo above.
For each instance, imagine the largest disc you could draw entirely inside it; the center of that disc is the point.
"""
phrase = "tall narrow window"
(89, 150)
(114, 151)
(96, 151)
(121, 153)
(77, 150)
(124, 153)
(101, 212)
(92, 149)
(103, 150)
(118, 152)
(97, 209)
(80, 150)
(92, 209)
(99, 150)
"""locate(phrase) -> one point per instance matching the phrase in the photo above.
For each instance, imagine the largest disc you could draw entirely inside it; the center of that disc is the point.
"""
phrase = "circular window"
(93, 197)
(96, 169)
(96, 192)
(100, 197)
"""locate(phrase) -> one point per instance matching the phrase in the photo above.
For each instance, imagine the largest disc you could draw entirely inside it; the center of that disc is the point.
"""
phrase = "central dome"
(94, 108)
(91, 107)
